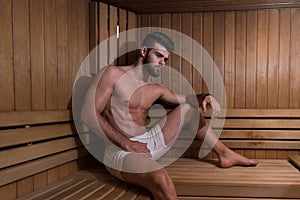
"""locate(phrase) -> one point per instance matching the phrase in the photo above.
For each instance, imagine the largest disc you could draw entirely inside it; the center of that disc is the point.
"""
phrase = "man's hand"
(137, 147)
(210, 100)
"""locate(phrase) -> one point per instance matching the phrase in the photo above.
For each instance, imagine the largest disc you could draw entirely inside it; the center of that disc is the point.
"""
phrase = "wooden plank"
(37, 55)
(262, 55)
(197, 56)
(40, 180)
(24, 186)
(171, 6)
(284, 58)
(273, 59)
(122, 43)
(21, 46)
(93, 35)
(19, 118)
(113, 43)
(186, 53)
(131, 38)
(23, 154)
(62, 54)
(295, 159)
(263, 113)
(240, 60)
(48, 188)
(236, 181)
(295, 61)
(219, 56)
(72, 46)
(6, 56)
(9, 191)
(229, 58)
(262, 123)
(262, 134)
(73, 190)
(175, 59)
(51, 55)
(103, 35)
(22, 136)
(251, 57)
(207, 70)
(166, 77)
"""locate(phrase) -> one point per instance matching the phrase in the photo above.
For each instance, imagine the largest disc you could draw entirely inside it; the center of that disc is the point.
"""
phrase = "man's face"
(156, 59)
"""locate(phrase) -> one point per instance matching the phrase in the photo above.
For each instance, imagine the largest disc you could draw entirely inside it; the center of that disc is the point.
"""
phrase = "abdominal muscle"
(130, 123)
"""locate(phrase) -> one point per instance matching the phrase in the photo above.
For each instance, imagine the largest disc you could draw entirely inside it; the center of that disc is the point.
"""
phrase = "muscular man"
(123, 97)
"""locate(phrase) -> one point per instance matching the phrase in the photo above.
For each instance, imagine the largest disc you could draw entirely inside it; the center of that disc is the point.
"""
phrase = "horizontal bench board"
(26, 153)
(196, 181)
(262, 123)
(243, 113)
(12, 137)
(27, 169)
(248, 144)
(89, 185)
(19, 118)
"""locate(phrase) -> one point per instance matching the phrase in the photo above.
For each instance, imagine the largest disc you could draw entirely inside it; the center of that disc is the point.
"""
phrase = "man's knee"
(161, 178)
(187, 110)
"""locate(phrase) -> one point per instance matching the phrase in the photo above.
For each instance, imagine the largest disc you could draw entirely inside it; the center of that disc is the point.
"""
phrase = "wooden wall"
(256, 51)
(43, 43)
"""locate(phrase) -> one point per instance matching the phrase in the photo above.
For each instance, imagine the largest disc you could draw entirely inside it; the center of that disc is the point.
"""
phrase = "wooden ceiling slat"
(169, 6)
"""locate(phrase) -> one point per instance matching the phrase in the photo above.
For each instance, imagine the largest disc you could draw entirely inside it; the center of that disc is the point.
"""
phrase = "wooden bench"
(245, 131)
(32, 144)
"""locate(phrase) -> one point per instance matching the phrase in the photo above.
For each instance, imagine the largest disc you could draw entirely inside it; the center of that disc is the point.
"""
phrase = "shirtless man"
(122, 100)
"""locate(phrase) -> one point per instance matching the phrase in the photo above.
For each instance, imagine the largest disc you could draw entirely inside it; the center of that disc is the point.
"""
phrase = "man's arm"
(202, 100)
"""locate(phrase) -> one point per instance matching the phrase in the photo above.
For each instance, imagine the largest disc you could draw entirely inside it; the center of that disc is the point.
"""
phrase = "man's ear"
(143, 51)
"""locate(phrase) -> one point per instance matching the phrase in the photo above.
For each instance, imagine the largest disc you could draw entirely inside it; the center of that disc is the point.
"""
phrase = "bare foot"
(230, 158)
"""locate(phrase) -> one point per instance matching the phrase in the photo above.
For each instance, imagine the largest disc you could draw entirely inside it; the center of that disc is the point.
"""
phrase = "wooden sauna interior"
(254, 43)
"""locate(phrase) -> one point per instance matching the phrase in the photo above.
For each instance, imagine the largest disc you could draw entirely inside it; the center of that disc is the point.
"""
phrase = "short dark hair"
(158, 37)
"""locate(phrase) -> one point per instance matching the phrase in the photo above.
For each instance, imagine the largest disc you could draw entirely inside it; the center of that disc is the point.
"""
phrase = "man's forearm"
(111, 133)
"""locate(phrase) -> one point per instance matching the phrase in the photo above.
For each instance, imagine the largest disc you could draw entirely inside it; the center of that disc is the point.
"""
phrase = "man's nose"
(162, 61)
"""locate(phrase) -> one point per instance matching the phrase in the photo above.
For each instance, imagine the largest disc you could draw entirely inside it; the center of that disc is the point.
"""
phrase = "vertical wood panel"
(62, 54)
(72, 43)
(113, 44)
(37, 54)
(166, 74)
(132, 38)
(240, 60)
(229, 58)
(295, 59)
(251, 59)
(219, 54)
(176, 61)
(207, 70)
(262, 61)
(40, 180)
(50, 55)
(273, 58)
(155, 20)
(103, 34)
(186, 48)
(284, 59)
(197, 56)
(122, 60)
(6, 57)
(21, 46)
(9, 191)
(24, 186)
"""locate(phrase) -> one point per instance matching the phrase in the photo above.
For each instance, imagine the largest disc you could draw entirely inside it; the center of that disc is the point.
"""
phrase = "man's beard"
(150, 68)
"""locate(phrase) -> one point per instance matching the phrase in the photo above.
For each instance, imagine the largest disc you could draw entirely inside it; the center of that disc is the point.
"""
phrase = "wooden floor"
(193, 179)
